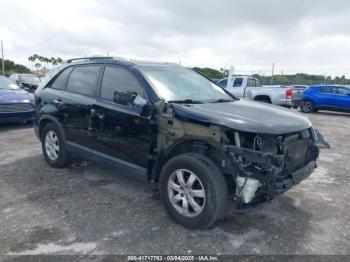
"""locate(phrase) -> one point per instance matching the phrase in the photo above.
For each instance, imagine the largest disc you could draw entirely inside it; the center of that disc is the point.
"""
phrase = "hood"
(243, 115)
(15, 96)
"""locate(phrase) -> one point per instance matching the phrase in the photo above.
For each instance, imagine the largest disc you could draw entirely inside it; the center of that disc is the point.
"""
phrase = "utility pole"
(273, 68)
(2, 61)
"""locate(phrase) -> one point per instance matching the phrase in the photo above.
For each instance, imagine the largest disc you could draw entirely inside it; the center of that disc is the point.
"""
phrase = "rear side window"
(61, 81)
(83, 80)
(121, 80)
(341, 91)
(238, 82)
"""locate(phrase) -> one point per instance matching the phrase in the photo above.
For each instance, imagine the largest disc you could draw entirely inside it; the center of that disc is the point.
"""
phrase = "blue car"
(16, 104)
(325, 97)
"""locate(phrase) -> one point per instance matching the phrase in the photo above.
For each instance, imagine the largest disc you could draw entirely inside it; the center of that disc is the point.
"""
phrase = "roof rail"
(88, 58)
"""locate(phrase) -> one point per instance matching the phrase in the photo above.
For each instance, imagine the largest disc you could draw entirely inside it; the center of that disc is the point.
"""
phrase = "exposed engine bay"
(269, 164)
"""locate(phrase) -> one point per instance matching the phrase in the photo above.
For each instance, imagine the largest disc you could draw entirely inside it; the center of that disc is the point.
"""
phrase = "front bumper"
(13, 117)
(294, 178)
(279, 173)
(285, 102)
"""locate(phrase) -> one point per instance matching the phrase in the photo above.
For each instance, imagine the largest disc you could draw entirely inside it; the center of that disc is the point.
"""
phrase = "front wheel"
(193, 191)
(307, 106)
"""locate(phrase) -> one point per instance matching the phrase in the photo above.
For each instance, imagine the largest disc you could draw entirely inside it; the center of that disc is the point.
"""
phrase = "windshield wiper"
(186, 101)
(221, 100)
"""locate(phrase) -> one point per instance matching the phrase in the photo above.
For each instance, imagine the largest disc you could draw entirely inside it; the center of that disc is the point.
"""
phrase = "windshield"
(29, 78)
(7, 84)
(182, 84)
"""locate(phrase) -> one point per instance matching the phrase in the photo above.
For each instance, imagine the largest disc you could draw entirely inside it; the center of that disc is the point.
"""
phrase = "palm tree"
(31, 59)
(53, 61)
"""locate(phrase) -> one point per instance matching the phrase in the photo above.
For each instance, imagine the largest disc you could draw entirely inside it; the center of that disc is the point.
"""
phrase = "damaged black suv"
(179, 130)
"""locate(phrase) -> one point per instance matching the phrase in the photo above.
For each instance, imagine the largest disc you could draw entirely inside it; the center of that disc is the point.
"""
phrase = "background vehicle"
(191, 138)
(27, 82)
(250, 87)
(326, 97)
(16, 105)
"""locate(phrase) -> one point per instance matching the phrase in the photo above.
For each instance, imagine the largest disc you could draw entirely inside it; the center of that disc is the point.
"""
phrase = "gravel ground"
(92, 210)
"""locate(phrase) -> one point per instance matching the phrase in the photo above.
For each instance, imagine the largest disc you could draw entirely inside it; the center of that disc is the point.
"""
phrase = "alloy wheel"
(52, 145)
(186, 193)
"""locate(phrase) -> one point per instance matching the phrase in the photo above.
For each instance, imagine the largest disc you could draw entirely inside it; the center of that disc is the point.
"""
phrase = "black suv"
(179, 130)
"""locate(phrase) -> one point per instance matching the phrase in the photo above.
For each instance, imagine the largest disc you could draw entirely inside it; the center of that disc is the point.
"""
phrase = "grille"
(16, 108)
(31, 86)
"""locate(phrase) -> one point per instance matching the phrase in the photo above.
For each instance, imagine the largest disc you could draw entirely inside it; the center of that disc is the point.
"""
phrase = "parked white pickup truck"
(250, 88)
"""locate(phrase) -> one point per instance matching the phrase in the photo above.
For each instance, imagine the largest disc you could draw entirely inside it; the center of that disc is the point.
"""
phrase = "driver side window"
(120, 80)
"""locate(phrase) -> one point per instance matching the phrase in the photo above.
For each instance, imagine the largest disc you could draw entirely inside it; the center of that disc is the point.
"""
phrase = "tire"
(307, 106)
(209, 178)
(52, 135)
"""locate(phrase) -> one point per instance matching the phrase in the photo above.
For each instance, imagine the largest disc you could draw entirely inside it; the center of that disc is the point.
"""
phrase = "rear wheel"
(307, 106)
(193, 191)
(263, 99)
(53, 147)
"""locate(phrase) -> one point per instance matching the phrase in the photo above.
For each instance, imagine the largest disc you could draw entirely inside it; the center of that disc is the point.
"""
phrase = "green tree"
(11, 67)
(211, 73)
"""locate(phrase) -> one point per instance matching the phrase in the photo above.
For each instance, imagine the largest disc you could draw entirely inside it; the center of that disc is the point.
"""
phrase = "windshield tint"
(29, 78)
(7, 84)
(178, 83)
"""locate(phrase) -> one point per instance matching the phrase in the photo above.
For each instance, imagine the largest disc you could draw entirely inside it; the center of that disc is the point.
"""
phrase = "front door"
(120, 130)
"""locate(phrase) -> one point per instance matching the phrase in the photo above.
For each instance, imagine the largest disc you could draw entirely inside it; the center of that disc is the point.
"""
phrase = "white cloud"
(300, 36)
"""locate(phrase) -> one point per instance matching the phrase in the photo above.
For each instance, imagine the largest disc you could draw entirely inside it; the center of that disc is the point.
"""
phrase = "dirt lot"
(91, 210)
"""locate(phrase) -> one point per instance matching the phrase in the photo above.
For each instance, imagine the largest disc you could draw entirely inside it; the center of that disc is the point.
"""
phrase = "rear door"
(340, 97)
(121, 131)
(77, 103)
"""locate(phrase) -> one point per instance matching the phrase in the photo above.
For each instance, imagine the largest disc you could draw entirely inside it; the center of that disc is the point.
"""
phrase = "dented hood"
(243, 115)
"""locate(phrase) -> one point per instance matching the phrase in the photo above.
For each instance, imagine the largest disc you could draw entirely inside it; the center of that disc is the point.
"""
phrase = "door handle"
(58, 101)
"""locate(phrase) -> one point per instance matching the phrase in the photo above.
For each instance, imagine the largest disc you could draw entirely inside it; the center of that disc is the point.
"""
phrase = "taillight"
(289, 93)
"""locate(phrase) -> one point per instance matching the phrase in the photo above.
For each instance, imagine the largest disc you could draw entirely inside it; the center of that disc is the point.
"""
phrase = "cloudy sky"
(308, 36)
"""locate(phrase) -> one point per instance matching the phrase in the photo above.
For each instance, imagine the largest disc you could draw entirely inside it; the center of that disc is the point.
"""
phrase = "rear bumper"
(285, 102)
(12, 117)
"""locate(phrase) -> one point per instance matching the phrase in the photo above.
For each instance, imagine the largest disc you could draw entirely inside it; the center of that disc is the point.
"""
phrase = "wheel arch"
(46, 119)
(262, 97)
(186, 146)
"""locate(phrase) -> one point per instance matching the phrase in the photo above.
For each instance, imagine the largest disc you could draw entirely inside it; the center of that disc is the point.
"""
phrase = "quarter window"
(61, 81)
(83, 80)
(118, 79)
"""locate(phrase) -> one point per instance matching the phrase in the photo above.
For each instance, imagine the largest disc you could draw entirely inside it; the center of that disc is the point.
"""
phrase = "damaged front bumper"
(277, 175)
